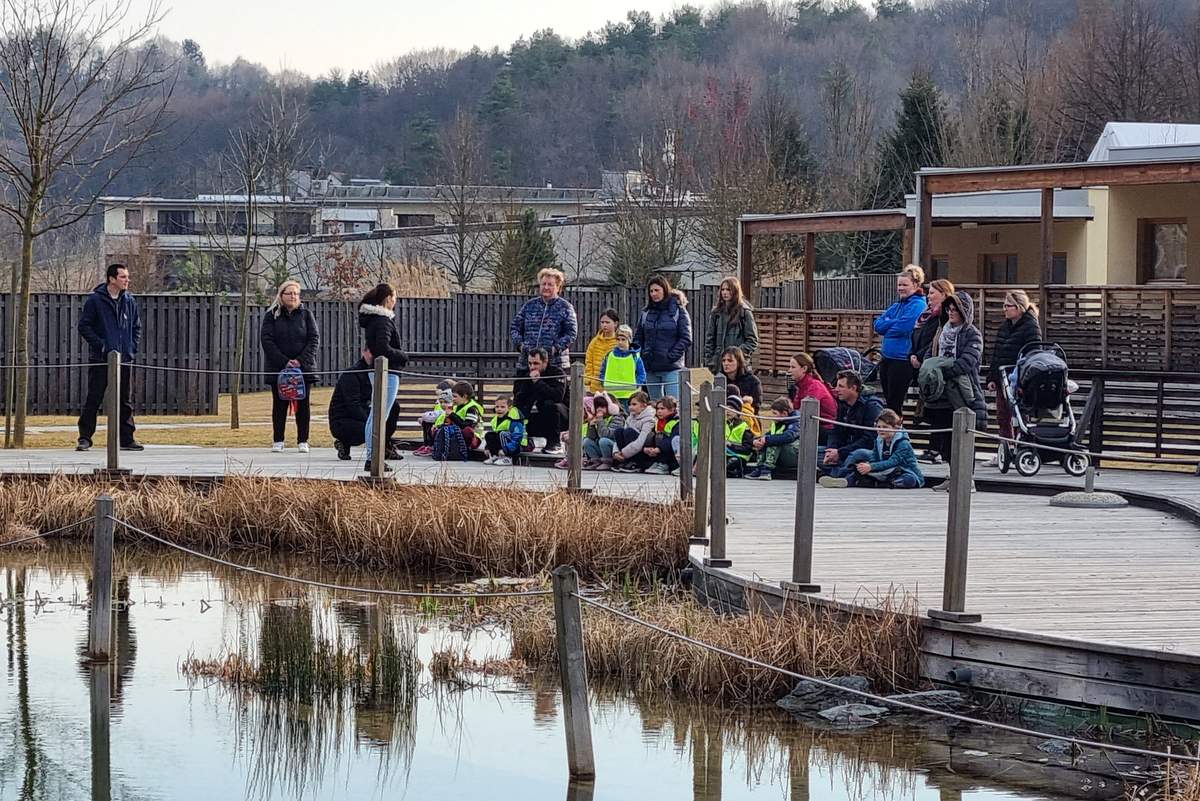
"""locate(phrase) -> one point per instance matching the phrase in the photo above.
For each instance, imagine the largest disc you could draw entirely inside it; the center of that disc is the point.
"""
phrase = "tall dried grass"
(881, 646)
(1177, 783)
(471, 530)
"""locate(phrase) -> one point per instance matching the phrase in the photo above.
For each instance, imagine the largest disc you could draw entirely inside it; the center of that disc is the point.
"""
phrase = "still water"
(168, 737)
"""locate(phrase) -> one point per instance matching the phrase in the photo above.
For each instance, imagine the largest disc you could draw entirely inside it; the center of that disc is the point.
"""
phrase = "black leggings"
(896, 375)
(279, 415)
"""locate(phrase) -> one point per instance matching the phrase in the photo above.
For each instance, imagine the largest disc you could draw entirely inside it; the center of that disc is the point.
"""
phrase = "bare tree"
(284, 120)
(463, 252)
(69, 260)
(85, 93)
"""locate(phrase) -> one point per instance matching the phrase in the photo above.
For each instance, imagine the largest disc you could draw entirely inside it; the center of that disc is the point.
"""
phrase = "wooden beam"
(810, 271)
(906, 249)
(925, 221)
(1056, 176)
(746, 263)
(1047, 253)
(833, 222)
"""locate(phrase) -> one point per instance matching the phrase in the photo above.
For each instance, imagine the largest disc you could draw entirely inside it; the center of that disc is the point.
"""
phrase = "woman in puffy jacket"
(290, 338)
(663, 335)
(377, 319)
(1020, 327)
(960, 340)
(896, 326)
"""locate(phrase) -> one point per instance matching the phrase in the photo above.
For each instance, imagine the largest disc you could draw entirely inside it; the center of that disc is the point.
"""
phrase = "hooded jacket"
(107, 325)
(380, 335)
(938, 391)
(898, 455)
(968, 353)
(1010, 338)
(721, 333)
(897, 323)
(290, 335)
(351, 401)
(644, 423)
(599, 347)
(664, 333)
(551, 325)
(784, 431)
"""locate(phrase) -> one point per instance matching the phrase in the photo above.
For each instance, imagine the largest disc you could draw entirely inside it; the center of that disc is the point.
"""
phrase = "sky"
(312, 36)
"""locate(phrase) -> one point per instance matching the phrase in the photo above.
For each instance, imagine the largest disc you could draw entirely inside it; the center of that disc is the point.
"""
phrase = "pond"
(171, 737)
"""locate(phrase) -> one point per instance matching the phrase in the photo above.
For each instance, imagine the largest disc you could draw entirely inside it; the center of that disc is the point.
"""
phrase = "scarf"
(930, 311)
(948, 340)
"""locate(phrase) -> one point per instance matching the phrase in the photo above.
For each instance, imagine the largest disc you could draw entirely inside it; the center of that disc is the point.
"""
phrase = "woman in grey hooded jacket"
(959, 339)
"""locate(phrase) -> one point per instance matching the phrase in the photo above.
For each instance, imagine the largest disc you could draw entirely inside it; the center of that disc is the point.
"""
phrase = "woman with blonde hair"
(1018, 329)
(730, 325)
(896, 326)
(289, 338)
(926, 331)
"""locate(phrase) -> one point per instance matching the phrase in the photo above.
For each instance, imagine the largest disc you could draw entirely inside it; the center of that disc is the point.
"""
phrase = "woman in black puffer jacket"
(289, 337)
(377, 319)
(1020, 327)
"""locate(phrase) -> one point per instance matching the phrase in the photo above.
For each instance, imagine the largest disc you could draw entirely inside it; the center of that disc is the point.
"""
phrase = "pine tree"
(520, 252)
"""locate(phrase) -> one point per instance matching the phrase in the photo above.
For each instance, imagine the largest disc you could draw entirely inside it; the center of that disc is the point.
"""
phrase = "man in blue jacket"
(109, 322)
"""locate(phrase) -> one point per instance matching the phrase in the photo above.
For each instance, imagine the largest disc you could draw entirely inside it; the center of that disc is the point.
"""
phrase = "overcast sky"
(314, 35)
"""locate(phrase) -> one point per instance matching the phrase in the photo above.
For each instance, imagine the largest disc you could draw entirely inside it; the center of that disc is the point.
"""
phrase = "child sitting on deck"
(660, 451)
(780, 445)
(607, 418)
(465, 414)
(628, 442)
(506, 436)
(892, 464)
(739, 442)
(430, 420)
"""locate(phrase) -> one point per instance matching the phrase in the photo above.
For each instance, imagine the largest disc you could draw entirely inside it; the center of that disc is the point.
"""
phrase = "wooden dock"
(1096, 607)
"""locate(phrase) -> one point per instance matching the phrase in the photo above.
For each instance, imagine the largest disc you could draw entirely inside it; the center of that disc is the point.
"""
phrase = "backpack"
(290, 384)
(448, 444)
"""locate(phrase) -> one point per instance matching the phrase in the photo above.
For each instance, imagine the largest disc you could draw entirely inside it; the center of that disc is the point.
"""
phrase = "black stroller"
(1038, 390)
(831, 361)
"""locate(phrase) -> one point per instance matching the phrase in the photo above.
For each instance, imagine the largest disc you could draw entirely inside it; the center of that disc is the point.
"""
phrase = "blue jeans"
(390, 390)
(840, 470)
(598, 449)
(663, 383)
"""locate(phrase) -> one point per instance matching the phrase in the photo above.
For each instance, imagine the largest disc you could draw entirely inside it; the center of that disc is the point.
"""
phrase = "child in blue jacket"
(891, 464)
(779, 445)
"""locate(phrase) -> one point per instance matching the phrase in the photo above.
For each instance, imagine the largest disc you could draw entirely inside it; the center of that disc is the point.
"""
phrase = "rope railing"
(44, 534)
(893, 702)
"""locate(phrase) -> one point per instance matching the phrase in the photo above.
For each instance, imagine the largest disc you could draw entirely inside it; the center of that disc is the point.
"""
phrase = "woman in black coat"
(737, 374)
(290, 338)
(1020, 327)
(377, 319)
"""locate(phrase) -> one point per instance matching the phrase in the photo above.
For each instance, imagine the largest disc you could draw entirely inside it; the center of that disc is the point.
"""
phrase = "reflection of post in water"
(100, 685)
(28, 738)
(799, 753)
(580, 790)
(706, 761)
(125, 643)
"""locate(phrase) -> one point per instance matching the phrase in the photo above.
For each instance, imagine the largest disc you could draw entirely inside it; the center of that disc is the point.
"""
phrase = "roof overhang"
(1075, 175)
(823, 222)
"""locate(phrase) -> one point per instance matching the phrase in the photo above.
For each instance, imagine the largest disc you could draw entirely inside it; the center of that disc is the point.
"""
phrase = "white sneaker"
(994, 461)
(503, 461)
(658, 469)
(829, 482)
(277, 447)
(302, 447)
(490, 460)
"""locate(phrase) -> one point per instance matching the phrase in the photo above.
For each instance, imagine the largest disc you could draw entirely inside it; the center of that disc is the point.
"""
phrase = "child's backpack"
(448, 444)
(290, 384)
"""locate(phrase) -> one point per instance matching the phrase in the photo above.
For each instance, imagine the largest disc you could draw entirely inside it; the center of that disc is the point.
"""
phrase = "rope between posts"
(47, 533)
(1076, 741)
(323, 584)
(1115, 457)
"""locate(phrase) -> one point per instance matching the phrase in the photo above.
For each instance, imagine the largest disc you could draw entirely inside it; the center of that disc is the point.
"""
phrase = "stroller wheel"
(1028, 462)
(1076, 464)
(1004, 458)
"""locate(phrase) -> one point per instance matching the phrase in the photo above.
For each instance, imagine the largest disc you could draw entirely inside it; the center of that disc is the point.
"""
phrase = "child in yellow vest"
(622, 372)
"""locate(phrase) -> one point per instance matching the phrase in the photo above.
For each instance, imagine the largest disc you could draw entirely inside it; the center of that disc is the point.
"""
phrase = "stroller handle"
(1039, 345)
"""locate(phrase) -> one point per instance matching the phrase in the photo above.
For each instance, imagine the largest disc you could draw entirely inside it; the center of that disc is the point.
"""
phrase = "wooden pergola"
(809, 225)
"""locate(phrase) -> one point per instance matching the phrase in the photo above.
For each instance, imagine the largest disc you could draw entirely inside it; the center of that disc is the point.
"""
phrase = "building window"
(1000, 268)
(414, 220)
(133, 219)
(292, 223)
(1058, 270)
(1162, 250)
(181, 222)
(939, 268)
(232, 222)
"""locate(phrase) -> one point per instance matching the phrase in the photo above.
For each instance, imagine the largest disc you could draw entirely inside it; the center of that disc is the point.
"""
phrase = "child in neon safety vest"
(622, 371)
(739, 444)
(779, 445)
(506, 433)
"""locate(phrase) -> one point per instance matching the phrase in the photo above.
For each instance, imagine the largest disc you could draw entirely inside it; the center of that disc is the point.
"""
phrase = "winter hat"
(625, 331)
(445, 395)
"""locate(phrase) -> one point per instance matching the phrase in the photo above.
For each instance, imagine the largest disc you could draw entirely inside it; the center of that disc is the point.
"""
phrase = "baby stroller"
(831, 361)
(1038, 390)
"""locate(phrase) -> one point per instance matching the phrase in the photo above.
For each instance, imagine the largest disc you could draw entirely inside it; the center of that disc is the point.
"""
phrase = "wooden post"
(716, 484)
(810, 271)
(1047, 256)
(685, 438)
(745, 257)
(958, 522)
(113, 407)
(100, 688)
(575, 426)
(806, 496)
(703, 463)
(379, 415)
(572, 671)
(924, 227)
(100, 626)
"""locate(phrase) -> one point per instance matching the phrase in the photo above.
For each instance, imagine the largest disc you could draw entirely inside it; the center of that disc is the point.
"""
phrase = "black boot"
(343, 450)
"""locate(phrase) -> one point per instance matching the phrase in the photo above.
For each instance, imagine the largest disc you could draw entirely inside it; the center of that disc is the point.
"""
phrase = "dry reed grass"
(1178, 783)
(881, 645)
(472, 530)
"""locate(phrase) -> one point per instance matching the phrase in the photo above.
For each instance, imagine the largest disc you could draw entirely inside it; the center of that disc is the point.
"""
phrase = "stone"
(1088, 500)
(854, 714)
(809, 698)
(942, 700)
(1056, 747)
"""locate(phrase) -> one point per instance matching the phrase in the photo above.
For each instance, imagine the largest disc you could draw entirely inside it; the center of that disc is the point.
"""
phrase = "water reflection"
(154, 734)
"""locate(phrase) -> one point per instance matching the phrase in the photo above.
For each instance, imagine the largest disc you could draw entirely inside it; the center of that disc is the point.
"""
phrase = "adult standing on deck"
(109, 322)
(896, 326)
(1019, 328)
(663, 335)
(730, 325)
(377, 319)
(290, 338)
(547, 322)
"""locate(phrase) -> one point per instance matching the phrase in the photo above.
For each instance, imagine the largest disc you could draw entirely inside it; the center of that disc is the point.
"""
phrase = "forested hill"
(989, 81)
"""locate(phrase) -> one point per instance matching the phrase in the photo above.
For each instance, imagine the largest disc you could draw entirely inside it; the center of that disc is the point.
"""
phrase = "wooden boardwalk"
(1124, 577)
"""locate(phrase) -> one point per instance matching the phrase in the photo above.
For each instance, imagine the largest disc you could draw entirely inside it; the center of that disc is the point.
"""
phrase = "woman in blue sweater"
(896, 327)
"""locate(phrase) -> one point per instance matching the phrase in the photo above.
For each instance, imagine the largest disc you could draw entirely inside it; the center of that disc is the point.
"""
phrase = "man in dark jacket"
(349, 408)
(855, 409)
(109, 322)
(542, 398)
